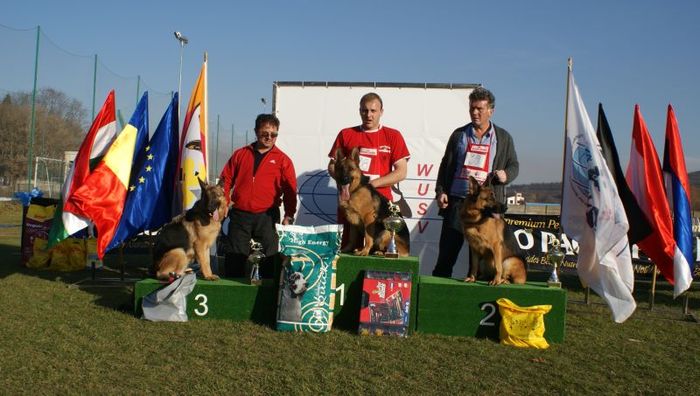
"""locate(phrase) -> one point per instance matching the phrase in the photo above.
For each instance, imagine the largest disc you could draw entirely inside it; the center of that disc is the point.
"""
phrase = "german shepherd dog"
(190, 235)
(365, 209)
(493, 258)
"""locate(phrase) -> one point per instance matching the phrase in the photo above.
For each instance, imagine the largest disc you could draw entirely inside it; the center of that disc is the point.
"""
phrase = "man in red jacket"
(256, 180)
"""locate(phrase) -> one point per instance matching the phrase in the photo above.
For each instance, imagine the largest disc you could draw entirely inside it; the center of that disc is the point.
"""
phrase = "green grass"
(59, 339)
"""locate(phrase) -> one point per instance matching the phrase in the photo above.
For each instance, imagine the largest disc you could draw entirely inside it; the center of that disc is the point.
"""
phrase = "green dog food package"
(307, 281)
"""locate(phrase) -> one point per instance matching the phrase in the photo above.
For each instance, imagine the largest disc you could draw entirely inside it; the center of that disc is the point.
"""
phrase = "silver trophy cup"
(393, 223)
(555, 256)
(254, 258)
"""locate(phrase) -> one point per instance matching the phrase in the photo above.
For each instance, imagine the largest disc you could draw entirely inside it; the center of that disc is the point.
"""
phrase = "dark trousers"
(451, 240)
(243, 227)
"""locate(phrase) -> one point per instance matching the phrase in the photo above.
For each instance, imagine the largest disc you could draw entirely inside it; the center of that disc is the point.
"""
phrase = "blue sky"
(624, 53)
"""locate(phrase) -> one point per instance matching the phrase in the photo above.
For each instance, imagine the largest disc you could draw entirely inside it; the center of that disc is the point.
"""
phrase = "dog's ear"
(202, 184)
(473, 185)
(489, 179)
(355, 154)
(339, 155)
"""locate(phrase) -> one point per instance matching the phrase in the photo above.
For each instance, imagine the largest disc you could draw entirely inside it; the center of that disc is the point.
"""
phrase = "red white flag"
(646, 181)
(98, 139)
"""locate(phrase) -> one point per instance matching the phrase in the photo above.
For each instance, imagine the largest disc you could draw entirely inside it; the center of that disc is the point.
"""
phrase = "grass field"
(59, 339)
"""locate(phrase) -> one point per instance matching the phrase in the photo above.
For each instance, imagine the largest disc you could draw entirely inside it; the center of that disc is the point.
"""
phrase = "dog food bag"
(36, 225)
(522, 326)
(307, 280)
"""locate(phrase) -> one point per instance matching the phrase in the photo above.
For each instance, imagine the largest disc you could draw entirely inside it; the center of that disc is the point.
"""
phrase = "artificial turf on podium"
(234, 299)
(348, 280)
(453, 307)
(438, 305)
(230, 299)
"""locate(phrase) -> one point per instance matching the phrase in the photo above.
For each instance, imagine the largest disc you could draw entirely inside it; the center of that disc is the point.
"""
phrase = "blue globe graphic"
(318, 198)
(581, 159)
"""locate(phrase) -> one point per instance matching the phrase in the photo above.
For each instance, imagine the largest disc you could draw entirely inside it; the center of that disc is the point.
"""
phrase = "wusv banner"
(534, 234)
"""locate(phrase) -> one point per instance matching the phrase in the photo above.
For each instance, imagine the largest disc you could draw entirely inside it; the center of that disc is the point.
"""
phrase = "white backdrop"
(312, 114)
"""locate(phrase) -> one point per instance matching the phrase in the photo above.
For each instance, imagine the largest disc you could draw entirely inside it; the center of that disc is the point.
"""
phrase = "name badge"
(365, 163)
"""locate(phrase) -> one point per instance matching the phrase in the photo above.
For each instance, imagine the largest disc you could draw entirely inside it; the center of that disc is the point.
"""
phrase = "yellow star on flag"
(142, 179)
(132, 188)
(148, 168)
(149, 156)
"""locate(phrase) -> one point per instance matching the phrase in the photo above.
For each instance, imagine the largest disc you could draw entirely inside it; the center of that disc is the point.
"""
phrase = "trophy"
(555, 256)
(256, 255)
(393, 223)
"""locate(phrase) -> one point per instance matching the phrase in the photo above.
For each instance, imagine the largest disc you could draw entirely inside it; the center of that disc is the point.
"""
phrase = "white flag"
(592, 213)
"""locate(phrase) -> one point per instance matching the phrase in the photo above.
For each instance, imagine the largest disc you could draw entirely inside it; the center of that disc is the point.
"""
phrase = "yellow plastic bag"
(68, 255)
(40, 255)
(522, 326)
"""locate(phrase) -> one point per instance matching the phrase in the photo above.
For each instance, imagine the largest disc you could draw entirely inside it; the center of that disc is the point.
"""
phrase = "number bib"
(476, 162)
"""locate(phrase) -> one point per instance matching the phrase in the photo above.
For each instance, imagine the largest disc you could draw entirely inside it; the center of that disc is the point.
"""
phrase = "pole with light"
(183, 40)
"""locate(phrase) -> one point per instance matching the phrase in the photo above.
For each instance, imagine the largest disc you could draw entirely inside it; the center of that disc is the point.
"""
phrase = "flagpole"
(563, 156)
(566, 122)
(205, 114)
(652, 292)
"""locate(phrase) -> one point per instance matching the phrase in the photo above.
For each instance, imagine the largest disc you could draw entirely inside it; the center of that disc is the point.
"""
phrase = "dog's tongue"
(215, 215)
(345, 192)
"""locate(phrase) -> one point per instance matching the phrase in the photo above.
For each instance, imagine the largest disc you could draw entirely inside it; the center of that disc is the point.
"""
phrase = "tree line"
(60, 125)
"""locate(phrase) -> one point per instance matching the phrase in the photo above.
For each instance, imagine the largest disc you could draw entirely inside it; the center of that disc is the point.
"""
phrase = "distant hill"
(551, 192)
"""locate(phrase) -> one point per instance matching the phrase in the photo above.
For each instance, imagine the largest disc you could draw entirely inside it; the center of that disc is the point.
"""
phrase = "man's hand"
(288, 220)
(501, 175)
(442, 201)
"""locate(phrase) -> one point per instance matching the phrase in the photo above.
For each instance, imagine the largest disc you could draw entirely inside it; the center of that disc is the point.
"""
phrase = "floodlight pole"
(32, 126)
(183, 40)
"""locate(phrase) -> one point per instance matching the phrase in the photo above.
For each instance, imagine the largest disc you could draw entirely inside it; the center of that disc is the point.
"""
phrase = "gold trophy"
(393, 223)
(555, 256)
(254, 258)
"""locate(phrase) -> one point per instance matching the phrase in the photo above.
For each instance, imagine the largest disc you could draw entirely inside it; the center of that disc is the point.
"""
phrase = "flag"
(678, 191)
(148, 201)
(101, 198)
(193, 143)
(100, 135)
(646, 182)
(592, 213)
(638, 224)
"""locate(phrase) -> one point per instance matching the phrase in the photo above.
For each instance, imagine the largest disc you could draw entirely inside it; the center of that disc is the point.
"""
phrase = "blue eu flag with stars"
(152, 185)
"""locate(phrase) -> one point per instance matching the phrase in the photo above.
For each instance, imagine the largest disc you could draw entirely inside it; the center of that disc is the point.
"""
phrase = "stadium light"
(183, 40)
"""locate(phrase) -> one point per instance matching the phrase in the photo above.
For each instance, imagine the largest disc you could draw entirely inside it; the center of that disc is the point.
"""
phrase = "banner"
(534, 232)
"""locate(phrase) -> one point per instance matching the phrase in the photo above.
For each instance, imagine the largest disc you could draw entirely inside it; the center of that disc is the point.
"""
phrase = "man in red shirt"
(383, 152)
(256, 180)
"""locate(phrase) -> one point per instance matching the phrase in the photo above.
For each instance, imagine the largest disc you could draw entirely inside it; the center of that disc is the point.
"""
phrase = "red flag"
(96, 142)
(101, 198)
(646, 182)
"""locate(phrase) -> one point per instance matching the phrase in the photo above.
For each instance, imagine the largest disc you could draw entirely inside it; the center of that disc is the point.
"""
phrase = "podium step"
(229, 299)
(349, 276)
(453, 307)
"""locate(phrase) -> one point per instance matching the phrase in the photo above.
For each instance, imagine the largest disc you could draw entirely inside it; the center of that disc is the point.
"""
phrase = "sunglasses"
(269, 135)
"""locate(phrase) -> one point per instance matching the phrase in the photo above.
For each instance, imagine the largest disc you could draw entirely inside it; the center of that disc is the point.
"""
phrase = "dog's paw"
(497, 281)
(361, 252)
(212, 277)
(470, 279)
